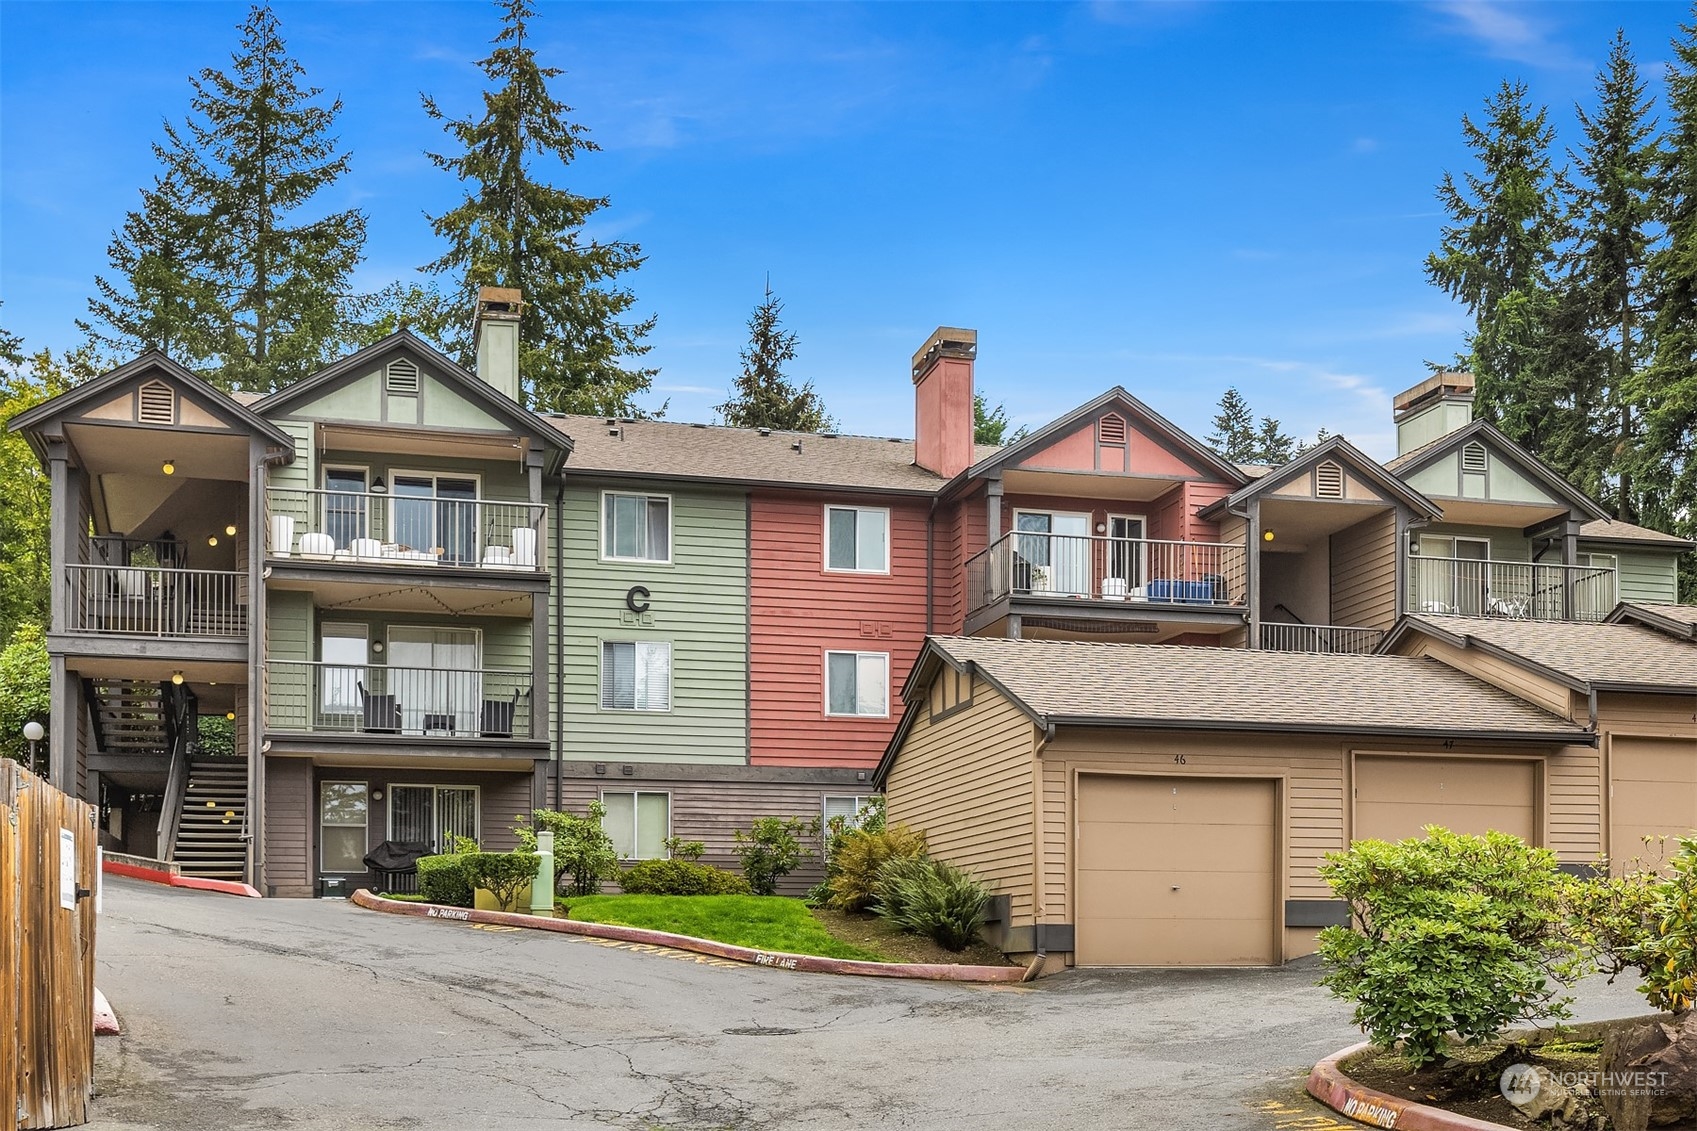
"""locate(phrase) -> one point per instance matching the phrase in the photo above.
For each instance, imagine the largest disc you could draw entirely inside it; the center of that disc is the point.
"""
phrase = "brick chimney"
(1431, 410)
(942, 401)
(496, 330)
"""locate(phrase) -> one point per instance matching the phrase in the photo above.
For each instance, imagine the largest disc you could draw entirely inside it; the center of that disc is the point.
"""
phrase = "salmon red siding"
(800, 612)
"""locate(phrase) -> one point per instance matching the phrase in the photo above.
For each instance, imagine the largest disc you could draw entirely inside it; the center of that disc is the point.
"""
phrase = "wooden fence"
(48, 864)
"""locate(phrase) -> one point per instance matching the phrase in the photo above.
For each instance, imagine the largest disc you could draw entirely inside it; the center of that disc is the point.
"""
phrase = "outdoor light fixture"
(231, 715)
(1266, 536)
(379, 487)
(177, 678)
(34, 733)
(230, 530)
(169, 467)
(212, 540)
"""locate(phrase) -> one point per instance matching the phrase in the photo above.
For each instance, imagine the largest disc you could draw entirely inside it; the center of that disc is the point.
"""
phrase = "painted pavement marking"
(1288, 1118)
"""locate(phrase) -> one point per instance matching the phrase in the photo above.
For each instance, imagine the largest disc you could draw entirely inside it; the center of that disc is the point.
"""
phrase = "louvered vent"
(1111, 430)
(156, 404)
(402, 376)
(1474, 457)
(1328, 481)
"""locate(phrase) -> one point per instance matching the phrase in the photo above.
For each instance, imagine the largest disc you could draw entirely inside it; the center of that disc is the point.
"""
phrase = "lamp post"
(34, 732)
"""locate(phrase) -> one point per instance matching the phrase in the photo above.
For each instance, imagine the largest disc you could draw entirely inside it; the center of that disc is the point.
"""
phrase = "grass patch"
(766, 922)
(403, 896)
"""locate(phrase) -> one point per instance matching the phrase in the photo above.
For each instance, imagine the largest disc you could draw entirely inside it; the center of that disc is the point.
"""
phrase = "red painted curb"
(804, 963)
(155, 876)
(1330, 1086)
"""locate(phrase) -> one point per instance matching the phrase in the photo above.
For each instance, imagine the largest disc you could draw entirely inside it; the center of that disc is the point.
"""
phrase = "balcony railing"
(379, 528)
(1521, 590)
(1106, 569)
(150, 601)
(430, 703)
(1320, 638)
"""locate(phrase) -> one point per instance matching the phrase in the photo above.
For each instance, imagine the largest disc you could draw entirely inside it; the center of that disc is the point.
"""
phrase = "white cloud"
(1508, 31)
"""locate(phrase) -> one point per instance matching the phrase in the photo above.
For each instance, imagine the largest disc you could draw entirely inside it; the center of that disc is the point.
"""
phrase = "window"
(346, 506)
(636, 528)
(848, 808)
(636, 675)
(857, 683)
(1599, 582)
(638, 823)
(341, 826)
(857, 539)
(433, 814)
(436, 512)
(343, 648)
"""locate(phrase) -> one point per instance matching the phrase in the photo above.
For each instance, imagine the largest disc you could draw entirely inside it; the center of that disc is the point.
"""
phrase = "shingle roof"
(665, 449)
(1614, 530)
(1239, 689)
(1683, 615)
(1613, 655)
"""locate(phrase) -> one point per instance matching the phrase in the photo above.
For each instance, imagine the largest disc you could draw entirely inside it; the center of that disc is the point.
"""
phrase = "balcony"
(1519, 590)
(407, 704)
(1333, 638)
(156, 601)
(1108, 574)
(402, 531)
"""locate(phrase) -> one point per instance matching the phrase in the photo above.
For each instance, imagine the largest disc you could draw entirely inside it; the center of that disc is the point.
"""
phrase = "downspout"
(1035, 968)
(931, 567)
(259, 536)
(559, 647)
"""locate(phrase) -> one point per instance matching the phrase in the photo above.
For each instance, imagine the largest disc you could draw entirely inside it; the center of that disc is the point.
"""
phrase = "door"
(1652, 793)
(346, 516)
(436, 677)
(343, 650)
(1397, 797)
(1176, 871)
(1054, 552)
(432, 814)
(1125, 554)
(437, 512)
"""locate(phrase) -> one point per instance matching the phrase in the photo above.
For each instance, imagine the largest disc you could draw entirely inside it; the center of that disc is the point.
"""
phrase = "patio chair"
(380, 714)
(499, 714)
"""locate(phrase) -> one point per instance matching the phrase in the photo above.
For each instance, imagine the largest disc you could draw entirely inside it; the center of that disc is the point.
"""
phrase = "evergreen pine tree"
(1497, 257)
(990, 425)
(763, 396)
(1234, 429)
(514, 230)
(1272, 446)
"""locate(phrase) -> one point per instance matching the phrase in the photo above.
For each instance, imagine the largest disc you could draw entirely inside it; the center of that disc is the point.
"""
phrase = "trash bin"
(332, 889)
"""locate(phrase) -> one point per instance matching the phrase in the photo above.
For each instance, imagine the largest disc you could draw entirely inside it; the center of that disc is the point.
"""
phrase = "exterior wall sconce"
(169, 467)
(230, 530)
(1266, 536)
(231, 715)
(177, 679)
(378, 487)
(212, 540)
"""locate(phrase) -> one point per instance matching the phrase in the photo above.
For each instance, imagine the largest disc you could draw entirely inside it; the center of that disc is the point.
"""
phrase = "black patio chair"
(380, 714)
(499, 715)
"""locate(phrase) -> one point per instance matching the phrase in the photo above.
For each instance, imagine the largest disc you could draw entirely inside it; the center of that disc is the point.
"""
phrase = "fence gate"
(48, 866)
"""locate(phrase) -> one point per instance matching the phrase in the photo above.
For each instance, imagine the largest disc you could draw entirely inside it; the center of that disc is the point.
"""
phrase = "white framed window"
(344, 651)
(857, 683)
(346, 506)
(433, 814)
(636, 675)
(343, 809)
(857, 539)
(848, 808)
(639, 823)
(1602, 584)
(636, 528)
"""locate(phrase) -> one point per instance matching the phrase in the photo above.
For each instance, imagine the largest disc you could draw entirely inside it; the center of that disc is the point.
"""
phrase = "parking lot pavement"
(316, 1014)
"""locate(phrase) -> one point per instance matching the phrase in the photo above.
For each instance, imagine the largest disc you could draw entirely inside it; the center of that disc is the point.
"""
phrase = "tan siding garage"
(1653, 793)
(1395, 797)
(1176, 871)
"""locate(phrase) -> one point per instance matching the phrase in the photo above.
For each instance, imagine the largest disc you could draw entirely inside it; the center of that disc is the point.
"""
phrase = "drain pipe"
(559, 649)
(1035, 968)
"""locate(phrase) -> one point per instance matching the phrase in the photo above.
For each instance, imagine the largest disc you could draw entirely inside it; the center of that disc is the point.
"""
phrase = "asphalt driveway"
(314, 1014)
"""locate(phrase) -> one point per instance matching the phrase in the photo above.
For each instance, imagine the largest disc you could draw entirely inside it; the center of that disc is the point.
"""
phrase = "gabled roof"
(1613, 530)
(1116, 398)
(521, 419)
(1171, 687)
(1675, 620)
(217, 401)
(662, 449)
(1412, 461)
(1583, 655)
(1334, 448)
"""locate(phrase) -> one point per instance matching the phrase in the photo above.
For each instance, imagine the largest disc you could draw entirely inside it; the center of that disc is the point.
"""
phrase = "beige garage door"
(1653, 793)
(1176, 871)
(1397, 797)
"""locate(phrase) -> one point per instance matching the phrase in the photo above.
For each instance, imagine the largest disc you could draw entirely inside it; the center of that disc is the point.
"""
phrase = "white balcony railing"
(431, 703)
(1106, 569)
(153, 601)
(401, 530)
(1521, 590)
(1278, 637)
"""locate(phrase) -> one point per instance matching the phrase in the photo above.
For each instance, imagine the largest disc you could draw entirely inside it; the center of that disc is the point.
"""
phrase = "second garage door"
(1176, 871)
(1396, 798)
(1653, 792)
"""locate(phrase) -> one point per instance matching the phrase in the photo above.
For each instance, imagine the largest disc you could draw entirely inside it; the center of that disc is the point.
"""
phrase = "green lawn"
(763, 922)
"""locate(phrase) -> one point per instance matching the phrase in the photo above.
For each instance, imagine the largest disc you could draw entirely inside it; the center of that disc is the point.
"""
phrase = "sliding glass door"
(437, 512)
(436, 677)
(433, 814)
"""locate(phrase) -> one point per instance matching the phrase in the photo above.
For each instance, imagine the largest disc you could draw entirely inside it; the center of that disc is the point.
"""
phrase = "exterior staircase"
(129, 717)
(212, 821)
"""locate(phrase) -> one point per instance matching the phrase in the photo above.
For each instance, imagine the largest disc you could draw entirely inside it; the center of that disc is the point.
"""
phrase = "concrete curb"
(171, 879)
(803, 963)
(1330, 1086)
(105, 1021)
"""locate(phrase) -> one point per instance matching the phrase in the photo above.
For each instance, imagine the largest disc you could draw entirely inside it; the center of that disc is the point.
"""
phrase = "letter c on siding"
(636, 599)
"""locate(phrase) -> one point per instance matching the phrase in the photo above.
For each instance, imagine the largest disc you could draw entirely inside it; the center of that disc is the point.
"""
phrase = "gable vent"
(1474, 457)
(156, 403)
(1328, 481)
(401, 376)
(1111, 430)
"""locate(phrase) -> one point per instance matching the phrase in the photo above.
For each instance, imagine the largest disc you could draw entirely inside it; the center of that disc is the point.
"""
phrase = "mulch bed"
(895, 945)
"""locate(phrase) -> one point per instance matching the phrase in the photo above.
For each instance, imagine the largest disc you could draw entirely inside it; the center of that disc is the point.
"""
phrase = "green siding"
(699, 604)
(506, 640)
(1645, 575)
(362, 398)
(1507, 544)
(1443, 479)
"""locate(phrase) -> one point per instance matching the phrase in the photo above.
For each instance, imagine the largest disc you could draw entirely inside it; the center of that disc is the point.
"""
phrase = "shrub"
(859, 856)
(583, 852)
(691, 850)
(1451, 934)
(443, 879)
(681, 877)
(1614, 921)
(1668, 955)
(25, 682)
(933, 898)
(771, 849)
(503, 875)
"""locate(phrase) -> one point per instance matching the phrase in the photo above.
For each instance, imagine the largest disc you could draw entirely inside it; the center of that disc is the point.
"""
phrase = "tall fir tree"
(1498, 256)
(763, 395)
(1667, 393)
(1234, 428)
(1272, 445)
(514, 230)
(990, 425)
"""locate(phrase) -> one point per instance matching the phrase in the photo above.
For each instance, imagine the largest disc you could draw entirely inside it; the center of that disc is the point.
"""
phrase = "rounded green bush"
(680, 877)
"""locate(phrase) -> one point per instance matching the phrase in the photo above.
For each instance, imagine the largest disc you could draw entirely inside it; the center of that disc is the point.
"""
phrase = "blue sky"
(1173, 197)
